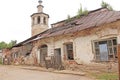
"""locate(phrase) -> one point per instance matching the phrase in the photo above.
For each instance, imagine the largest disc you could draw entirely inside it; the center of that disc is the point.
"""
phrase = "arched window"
(38, 20)
(43, 46)
(44, 20)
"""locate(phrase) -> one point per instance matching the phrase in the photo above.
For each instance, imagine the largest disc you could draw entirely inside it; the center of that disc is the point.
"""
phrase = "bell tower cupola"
(39, 20)
(40, 6)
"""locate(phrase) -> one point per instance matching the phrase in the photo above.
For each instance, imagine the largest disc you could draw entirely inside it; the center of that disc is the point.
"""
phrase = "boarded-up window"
(106, 50)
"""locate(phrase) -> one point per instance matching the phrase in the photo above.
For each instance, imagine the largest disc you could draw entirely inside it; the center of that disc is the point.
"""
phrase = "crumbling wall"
(19, 55)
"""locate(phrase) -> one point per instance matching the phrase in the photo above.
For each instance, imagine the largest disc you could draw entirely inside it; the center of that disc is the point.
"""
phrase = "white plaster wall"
(84, 45)
(50, 49)
(84, 52)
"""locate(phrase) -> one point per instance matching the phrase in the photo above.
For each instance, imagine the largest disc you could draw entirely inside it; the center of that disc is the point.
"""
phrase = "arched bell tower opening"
(39, 20)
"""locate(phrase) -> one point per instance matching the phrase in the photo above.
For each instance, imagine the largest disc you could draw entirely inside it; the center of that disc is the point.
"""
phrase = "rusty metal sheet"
(84, 19)
(113, 18)
(110, 14)
(91, 21)
(56, 33)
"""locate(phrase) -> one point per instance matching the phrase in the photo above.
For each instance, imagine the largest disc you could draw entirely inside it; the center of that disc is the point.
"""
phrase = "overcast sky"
(15, 21)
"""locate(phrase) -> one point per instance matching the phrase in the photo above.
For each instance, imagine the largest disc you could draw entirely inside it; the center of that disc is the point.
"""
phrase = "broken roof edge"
(28, 40)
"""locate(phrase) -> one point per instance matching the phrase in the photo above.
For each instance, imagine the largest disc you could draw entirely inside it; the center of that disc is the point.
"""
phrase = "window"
(44, 20)
(69, 51)
(16, 55)
(38, 20)
(106, 50)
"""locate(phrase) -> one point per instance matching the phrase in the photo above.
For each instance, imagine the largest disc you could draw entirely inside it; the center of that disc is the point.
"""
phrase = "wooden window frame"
(68, 57)
(113, 46)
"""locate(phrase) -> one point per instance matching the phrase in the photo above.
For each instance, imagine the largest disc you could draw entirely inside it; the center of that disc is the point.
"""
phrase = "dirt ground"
(16, 73)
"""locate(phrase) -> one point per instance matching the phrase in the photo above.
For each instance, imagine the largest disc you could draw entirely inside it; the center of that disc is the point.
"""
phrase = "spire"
(40, 6)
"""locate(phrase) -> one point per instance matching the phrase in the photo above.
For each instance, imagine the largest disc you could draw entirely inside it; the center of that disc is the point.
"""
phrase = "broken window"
(69, 51)
(106, 50)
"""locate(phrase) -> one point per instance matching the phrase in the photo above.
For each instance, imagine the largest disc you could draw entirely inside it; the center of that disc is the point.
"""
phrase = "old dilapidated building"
(89, 39)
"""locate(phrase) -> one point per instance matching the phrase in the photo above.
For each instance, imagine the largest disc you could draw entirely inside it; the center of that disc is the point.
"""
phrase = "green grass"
(0, 60)
(106, 76)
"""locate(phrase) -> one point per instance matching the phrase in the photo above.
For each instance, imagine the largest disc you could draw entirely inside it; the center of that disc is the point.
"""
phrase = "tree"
(12, 43)
(106, 5)
(4, 45)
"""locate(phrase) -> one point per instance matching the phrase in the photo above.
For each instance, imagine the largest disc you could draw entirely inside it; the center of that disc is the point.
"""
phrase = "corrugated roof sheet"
(93, 19)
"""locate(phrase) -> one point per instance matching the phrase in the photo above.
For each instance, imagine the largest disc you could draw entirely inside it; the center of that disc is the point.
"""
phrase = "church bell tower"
(39, 20)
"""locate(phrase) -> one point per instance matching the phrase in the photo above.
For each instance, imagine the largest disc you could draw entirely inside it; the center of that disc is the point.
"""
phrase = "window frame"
(68, 57)
(96, 47)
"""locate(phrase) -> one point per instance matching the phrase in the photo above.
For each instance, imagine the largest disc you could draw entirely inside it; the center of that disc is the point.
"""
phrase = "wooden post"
(119, 59)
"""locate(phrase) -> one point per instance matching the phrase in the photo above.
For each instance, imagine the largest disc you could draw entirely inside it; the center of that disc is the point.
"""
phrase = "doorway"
(43, 54)
(57, 56)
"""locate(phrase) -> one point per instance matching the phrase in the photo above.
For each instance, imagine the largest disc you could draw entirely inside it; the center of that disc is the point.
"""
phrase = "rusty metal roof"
(93, 19)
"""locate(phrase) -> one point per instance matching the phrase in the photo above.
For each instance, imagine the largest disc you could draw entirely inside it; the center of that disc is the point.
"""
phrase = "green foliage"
(4, 45)
(110, 8)
(68, 18)
(81, 12)
(85, 12)
(12, 43)
(106, 5)
(106, 76)
(1, 61)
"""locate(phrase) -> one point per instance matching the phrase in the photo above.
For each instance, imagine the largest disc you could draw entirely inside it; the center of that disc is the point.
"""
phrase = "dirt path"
(15, 73)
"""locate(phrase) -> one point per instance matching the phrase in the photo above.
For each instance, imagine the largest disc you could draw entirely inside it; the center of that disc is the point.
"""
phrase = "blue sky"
(15, 21)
